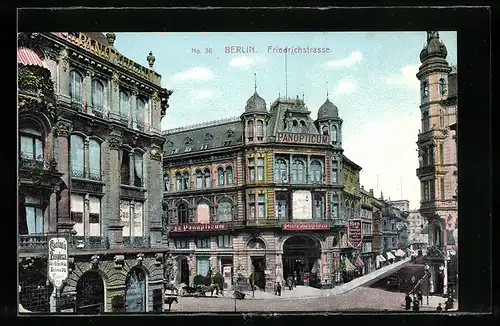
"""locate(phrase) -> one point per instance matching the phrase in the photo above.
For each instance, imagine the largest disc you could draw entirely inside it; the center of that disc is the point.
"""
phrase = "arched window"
(281, 206)
(97, 96)
(250, 129)
(31, 144)
(90, 294)
(260, 130)
(167, 183)
(77, 156)
(178, 181)
(182, 214)
(325, 130)
(208, 181)
(303, 126)
(319, 206)
(124, 105)
(138, 170)
(199, 179)
(335, 205)
(280, 171)
(75, 86)
(442, 86)
(316, 171)
(295, 125)
(437, 235)
(335, 172)
(203, 213)
(224, 211)
(298, 172)
(135, 291)
(94, 160)
(125, 167)
(220, 176)
(333, 135)
(140, 112)
(229, 175)
(425, 89)
(185, 180)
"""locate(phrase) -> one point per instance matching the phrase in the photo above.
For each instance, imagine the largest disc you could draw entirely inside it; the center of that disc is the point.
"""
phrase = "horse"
(215, 288)
(169, 301)
(172, 289)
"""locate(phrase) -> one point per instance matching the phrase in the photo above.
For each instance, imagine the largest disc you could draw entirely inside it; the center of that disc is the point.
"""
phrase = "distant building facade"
(89, 171)
(417, 240)
(437, 170)
(267, 193)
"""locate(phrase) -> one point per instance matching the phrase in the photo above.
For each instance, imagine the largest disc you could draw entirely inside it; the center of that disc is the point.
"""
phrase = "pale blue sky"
(370, 75)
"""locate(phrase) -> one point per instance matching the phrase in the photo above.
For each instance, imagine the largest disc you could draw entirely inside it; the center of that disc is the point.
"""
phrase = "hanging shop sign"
(354, 233)
(198, 227)
(58, 261)
(287, 137)
(299, 226)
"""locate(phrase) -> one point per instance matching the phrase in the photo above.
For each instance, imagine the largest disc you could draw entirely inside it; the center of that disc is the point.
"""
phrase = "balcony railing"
(79, 172)
(33, 242)
(28, 161)
(136, 242)
(81, 242)
(38, 242)
(428, 169)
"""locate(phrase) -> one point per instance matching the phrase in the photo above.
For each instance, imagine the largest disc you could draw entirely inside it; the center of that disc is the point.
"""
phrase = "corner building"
(269, 192)
(90, 171)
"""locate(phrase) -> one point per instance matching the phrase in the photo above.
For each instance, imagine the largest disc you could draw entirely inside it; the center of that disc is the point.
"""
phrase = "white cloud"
(345, 87)
(406, 77)
(245, 61)
(346, 62)
(387, 149)
(196, 73)
(202, 94)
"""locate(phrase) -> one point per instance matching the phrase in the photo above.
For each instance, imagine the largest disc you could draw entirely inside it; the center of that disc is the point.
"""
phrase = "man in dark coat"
(439, 308)
(416, 306)
(408, 301)
(420, 298)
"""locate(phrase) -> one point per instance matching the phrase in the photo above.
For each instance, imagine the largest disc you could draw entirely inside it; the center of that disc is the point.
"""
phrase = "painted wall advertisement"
(58, 261)
(354, 233)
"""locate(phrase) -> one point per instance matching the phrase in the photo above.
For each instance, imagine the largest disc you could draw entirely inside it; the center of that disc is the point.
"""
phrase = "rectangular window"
(251, 204)
(251, 170)
(138, 219)
(34, 220)
(181, 244)
(203, 243)
(224, 241)
(95, 217)
(124, 105)
(260, 169)
(77, 214)
(203, 266)
(199, 180)
(262, 206)
(442, 188)
(432, 189)
(125, 217)
(441, 153)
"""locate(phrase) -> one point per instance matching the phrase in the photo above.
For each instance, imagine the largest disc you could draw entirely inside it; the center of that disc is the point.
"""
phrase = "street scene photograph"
(172, 172)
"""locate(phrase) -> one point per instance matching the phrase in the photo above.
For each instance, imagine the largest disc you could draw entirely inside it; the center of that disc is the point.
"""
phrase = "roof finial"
(327, 89)
(255, 82)
(303, 97)
(432, 34)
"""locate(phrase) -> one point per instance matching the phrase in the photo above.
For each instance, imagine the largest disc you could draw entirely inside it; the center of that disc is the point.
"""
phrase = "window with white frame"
(178, 181)
(97, 96)
(262, 206)
(79, 213)
(31, 144)
(208, 181)
(77, 156)
(75, 87)
(251, 206)
(138, 169)
(229, 175)
(94, 160)
(132, 217)
(260, 130)
(199, 179)
(251, 170)
(260, 169)
(224, 241)
(298, 172)
(220, 176)
(94, 216)
(333, 134)
(34, 215)
(316, 171)
(280, 171)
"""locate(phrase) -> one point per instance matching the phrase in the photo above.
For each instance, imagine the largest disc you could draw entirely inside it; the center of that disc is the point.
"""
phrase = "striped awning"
(27, 56)
(390, 255)
(381, 258)
(360, 261)
(400, 253)
(349, 267)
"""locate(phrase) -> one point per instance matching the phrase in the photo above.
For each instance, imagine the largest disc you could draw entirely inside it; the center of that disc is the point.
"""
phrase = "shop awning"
(380, 258)
(390, 256)
(27, 56)
(349, 267)
(360, 261)
(400, 253)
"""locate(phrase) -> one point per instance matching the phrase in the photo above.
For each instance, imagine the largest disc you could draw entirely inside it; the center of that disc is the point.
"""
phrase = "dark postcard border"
(473, 26)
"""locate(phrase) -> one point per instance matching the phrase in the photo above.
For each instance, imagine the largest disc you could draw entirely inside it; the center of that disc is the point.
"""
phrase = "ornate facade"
(90, 168)
(266, 193)
(437, 170)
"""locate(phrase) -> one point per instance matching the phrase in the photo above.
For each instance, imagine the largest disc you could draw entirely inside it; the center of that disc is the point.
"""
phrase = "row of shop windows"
(222, 241)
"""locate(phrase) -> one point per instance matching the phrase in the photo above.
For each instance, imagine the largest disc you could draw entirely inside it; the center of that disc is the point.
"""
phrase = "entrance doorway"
(135, 291)
(301, 256)
(226, 266)
(90, 293)
(182, 270)
(258, 267)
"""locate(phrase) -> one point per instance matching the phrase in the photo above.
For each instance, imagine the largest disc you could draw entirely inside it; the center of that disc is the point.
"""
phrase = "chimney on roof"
(371, 192)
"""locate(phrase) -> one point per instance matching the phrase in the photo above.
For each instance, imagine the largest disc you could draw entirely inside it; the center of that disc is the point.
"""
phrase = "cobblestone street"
(361, 299)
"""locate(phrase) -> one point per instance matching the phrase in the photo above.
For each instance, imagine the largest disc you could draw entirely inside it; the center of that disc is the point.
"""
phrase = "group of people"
(417, 301)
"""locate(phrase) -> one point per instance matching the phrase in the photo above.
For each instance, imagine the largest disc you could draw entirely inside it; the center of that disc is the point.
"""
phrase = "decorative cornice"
(63, 128)
(115, 142)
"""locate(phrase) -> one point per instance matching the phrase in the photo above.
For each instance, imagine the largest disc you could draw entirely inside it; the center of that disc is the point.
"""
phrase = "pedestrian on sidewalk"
(439, 308)
(278, 288)
(416, 306)
(420, 298)
(408, 301)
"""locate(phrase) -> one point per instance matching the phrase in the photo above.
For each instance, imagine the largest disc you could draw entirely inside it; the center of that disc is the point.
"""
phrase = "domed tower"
(330, 123)
(255, 119)
(433, 76)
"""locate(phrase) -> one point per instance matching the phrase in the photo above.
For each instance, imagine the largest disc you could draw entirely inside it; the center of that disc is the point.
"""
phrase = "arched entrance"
(135, 291)
(182, 270)
(301, 259)
(35, 290)
(90, 293)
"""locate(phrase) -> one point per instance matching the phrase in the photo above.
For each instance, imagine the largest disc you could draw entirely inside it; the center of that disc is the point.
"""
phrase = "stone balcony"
(37, 243)
(136, 242)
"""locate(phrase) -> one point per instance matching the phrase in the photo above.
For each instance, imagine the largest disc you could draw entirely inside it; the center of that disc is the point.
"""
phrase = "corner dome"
(433, 48)
(255, 104)
(328, 110)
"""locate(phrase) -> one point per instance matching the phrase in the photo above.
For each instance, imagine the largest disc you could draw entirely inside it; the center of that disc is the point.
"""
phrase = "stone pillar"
(115, 226)
(63, 130)
(133, 107)
(114, 97)
(86, 170)
(52, 222)
(87, 98)
(154, 180)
